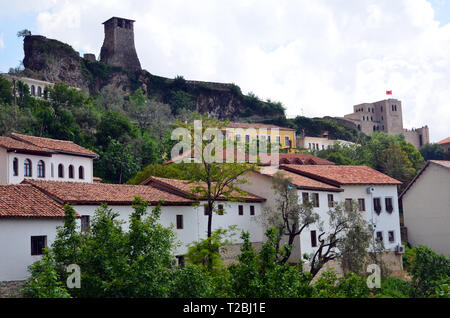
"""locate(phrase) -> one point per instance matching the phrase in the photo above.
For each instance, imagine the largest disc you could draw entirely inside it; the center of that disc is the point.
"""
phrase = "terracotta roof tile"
(25, 201)
(443, 163)
(184, 188)
(305, 183)
(444, 141)
(340, 175)
(11, 144)
(112, 194)
(303, 159)
(65, 146)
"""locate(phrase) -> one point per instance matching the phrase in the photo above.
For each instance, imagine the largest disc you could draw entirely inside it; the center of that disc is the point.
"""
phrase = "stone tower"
(118, 47)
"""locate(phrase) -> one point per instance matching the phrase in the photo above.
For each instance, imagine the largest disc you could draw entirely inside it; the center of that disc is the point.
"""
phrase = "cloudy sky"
(316, 57)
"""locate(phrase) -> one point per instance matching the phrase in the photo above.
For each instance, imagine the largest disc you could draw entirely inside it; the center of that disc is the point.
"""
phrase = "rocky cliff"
(54, 61)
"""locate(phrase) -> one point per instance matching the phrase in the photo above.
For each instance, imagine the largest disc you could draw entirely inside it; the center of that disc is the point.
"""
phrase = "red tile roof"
(64, 146)
(302, 159)
(340, 175)
(11, 144)
(186, 189)
(444, 141)
(113, 194)
(256, 126)
(443, 163)
(26, 201)
(305, 183)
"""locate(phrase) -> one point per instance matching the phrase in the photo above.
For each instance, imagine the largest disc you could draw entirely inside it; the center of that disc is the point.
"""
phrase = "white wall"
(384, 222)
(4, 166)
(15, 248)
(426, 210)
(55, 159)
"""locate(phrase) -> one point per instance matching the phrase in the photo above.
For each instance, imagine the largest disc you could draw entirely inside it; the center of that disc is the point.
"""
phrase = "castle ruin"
(118, 46)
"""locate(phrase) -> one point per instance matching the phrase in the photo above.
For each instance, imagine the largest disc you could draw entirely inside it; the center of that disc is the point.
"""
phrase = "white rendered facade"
(9, 175)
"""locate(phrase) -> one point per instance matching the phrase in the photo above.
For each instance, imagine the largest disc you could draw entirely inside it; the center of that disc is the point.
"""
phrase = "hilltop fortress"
(386, 116)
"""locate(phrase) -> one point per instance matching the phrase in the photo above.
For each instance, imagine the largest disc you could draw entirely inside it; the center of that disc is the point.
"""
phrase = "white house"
(28, 221)
(426, 207)
(375, 192)
(28, 157)
(319, 143)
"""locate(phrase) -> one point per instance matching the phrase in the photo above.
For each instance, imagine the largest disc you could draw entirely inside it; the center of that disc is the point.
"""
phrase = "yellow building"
(272, 133)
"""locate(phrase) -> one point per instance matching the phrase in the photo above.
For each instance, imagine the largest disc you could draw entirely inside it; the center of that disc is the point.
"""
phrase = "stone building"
(118, 46)
(386, 116)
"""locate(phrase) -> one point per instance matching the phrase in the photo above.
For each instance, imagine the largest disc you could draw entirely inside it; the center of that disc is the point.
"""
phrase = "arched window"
(15, 167)
(374, 128)
(359, 127)
(81, 172)
(52, 173)
(60, 171)
(41, 169)
(71, 172)
(27, 168)
(32, 92)
(39, 91)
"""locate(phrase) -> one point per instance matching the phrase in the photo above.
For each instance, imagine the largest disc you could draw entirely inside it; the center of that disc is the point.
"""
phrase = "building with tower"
(385, 116)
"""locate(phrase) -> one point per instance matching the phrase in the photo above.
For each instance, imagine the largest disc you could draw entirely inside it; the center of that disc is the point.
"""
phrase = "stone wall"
(11, 289)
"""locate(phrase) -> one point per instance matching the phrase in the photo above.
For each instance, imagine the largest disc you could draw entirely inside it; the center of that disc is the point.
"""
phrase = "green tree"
(44, 281)
(288, 216)
(23, 33)
(432, 152)
(6, 87)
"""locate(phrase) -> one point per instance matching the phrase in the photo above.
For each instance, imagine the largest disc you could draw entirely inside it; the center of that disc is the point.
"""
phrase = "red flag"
(388, 92)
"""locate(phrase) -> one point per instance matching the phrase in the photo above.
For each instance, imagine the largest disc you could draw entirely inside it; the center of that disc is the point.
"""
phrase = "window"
(315, 200)
(51, 170)
(238, 137)
(305, 197)
(71, 172)
(32, 92)
(27, 168)
(313, 239)
(206, 209)
(179, 222)
(348, 205)
(252, 210)
(41, 169)
(388, 204)
(377, 205)
(180, 260)
(220, 209)
(15, 167)
(38, 243)
(247, 138)
(277, 139)
(381, 108)
(287, 142)
(391, 236)
(362, 204)
(269, 139)
(380, 236)
(60, 171)
(85, 222)
(39, 91)
(81, 172)
(241, 210)
(330, 200)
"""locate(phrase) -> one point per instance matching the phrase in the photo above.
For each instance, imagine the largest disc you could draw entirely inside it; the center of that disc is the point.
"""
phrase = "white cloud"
(319, 56)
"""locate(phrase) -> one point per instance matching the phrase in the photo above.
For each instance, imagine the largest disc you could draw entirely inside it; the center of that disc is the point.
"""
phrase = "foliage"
(191, 281)
(206, 252)
(260, 275)
(349, 286)
(394, 288)
(44, 281)
(433, 152)
(6, 87)
(288, 216)
(23, 33)
(221, 180)
(428, 270)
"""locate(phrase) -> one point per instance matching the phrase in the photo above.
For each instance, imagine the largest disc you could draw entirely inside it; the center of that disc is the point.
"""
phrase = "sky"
(317, 57)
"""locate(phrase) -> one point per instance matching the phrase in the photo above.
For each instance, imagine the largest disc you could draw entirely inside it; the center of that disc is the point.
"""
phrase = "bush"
(428, 270)
(395, 288)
